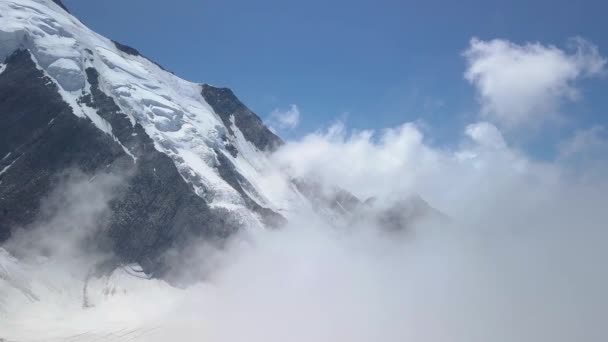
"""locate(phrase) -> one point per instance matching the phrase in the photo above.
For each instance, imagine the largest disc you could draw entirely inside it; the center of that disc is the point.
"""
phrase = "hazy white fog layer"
(522, 257)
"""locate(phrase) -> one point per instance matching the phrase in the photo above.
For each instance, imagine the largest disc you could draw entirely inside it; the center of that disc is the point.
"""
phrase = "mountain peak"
(191, 156)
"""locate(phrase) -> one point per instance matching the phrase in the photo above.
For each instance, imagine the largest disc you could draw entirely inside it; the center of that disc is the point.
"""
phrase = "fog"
(521, 257)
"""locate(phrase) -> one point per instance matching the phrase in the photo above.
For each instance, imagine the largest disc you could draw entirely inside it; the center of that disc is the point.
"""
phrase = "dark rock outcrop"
(227, 105)
(405, 213)
(134, 52)
(228, 172)
(339, 201)
(126, 49)
(154, 210)
(40, 137)
(58, 2)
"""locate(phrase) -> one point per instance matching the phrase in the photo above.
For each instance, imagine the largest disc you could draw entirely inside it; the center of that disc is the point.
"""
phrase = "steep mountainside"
(192, 154)
(192, 158)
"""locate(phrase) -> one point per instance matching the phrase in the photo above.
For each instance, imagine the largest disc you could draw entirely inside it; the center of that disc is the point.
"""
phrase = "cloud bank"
(520, 259)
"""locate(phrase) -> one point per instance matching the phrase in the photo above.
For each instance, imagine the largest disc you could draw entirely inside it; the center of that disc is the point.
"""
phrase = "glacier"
(171, 110)
(88, 99)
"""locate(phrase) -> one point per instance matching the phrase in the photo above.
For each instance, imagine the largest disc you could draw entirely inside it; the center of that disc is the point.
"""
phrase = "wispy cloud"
(281, 119)
(485, 134)
(526, 84)
(585, 142)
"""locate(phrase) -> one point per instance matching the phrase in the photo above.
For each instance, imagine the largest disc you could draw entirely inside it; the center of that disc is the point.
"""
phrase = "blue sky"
(375, 63)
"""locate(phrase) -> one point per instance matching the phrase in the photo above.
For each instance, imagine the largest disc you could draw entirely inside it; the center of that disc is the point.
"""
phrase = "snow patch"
(55, 299)
(172, 111)
(11, 38)
(67, 73)
(8, 167)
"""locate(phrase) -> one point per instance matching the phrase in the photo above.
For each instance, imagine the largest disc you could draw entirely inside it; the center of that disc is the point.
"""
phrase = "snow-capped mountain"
(190, 160)
(70, 98)
(113, 170)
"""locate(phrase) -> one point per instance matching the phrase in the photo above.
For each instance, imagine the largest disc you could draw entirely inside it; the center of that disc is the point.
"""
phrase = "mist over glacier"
(520, 257)
(509, 247)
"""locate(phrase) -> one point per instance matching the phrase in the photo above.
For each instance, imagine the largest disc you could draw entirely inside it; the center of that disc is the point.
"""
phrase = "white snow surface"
(63, 305)
(43, 300)
(67, 73)
(171, 110)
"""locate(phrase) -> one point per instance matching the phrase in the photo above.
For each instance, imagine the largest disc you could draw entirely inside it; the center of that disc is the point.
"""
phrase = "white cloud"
(518, 260)
(361, 161)
(398, 162)
(525, 84)
(485, 134)
(590, 142)
(284, 119)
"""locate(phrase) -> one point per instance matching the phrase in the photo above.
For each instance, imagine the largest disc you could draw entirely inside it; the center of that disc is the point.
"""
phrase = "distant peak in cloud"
(526, 84)
(285, 119)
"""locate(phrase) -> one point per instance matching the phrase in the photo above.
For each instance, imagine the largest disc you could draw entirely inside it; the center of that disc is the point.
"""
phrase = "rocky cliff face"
(41, 138)
(192, 158)
(191, 155)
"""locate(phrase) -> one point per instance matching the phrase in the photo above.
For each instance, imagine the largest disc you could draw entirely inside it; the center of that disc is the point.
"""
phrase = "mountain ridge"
(192, 169)
(193, 160)
(60, 3)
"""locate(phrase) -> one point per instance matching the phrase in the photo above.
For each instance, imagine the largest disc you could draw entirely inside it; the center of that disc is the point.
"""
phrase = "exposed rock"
(228, 106)
(134, 52)
(155, 209)
(58, 2)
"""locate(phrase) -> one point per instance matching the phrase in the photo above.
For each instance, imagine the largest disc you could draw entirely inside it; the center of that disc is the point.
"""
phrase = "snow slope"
(171, 110)
(42, 300)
